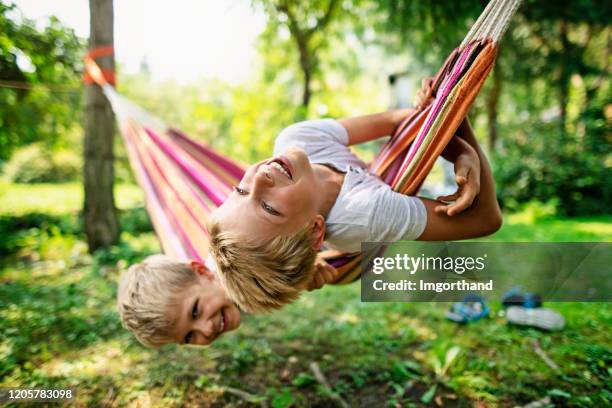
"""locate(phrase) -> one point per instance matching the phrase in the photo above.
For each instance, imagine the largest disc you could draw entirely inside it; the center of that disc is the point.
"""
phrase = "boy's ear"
(317, 232)
(201, 269)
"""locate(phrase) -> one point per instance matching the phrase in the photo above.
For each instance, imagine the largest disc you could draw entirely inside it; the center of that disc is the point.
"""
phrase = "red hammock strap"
(93, 73)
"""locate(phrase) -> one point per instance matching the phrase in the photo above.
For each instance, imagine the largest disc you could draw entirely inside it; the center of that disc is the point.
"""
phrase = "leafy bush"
(545, 165)
(36, 164)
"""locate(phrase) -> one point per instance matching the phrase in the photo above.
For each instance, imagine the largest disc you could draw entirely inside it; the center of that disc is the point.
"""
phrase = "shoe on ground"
(542, 318)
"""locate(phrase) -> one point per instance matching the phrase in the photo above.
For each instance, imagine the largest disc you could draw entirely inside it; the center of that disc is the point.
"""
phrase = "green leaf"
(429, 395)
(303, 380)
(201, 381)
(451, 355)
(284, 399)
(555, 392)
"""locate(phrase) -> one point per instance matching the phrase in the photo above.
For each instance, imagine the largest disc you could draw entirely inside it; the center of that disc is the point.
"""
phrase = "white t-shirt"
(366, 210)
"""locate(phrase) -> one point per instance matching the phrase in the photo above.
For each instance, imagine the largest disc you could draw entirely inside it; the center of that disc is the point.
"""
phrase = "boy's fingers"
(332, 271)
(451, 197)
(426, 82)
(441, 209)
(316, 282)
(466, 200)
(335, 271)
(324, 273)
(328, 277)
(458, 207)
(461, 176)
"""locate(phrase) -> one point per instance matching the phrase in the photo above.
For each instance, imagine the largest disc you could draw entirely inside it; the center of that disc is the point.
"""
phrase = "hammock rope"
(184, 180)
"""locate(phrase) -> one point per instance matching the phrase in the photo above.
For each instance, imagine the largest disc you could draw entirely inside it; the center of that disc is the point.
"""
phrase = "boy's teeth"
(280, 168)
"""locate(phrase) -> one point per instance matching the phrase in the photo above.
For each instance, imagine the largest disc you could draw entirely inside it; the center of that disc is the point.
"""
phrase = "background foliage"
(544, 114)
(40, 70)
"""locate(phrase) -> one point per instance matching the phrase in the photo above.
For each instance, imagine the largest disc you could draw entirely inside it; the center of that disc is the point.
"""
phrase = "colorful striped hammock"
(184, 180)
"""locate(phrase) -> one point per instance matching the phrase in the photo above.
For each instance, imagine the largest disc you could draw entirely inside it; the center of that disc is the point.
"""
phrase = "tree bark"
(100, 214)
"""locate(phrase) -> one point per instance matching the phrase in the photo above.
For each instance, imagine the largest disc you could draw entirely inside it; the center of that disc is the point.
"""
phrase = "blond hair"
(147, 291)
(262, 276)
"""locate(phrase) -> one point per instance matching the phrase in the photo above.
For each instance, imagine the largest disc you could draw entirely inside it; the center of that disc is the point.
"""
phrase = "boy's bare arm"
(483, 217)
(362, 129)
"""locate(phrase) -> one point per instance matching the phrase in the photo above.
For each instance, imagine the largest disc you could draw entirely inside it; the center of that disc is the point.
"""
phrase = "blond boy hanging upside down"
(265, 237)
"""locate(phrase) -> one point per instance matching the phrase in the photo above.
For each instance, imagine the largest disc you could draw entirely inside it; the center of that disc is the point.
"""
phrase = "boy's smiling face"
(275, 197)
(203, 311)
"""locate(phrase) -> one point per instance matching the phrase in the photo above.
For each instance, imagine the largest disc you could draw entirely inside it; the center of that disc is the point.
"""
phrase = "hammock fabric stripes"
(184, 180)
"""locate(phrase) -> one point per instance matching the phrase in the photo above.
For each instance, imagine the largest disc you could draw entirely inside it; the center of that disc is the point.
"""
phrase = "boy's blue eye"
(265, 206)
(240, 190)
(269, 209)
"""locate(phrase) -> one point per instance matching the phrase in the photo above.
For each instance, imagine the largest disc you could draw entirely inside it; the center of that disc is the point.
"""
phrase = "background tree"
(100, 214)
(308, 25)
(40, 93)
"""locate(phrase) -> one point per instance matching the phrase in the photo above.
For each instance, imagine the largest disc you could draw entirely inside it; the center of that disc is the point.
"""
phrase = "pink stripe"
(191, 251)
(194, 192)
(216, 196)
(229, 166)
(208, 167)
(178, 196)
(438, 105)
(390, 148)
(183, 240)
(151, 197)
(189, 186)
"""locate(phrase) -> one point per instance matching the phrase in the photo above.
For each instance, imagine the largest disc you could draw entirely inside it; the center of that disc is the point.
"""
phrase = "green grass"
(59, 328)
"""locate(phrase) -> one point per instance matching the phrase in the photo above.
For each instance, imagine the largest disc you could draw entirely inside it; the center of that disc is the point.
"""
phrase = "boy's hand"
(467, 176)
(324, 273)
(425, 94)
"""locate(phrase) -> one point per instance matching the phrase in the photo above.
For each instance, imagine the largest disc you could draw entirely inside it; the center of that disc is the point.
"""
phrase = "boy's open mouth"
(283, 165)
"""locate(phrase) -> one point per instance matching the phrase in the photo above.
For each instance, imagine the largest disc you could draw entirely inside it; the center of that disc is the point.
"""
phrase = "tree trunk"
(306, 94)
(564, 76)
(492, 106)
(306, 66)
(100, 214)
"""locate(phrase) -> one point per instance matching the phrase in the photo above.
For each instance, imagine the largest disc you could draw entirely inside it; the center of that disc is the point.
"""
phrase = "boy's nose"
(206, 327)
(263, 177)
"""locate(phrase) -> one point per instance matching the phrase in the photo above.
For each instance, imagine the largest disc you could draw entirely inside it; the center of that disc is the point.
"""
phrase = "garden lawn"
(59, 328)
